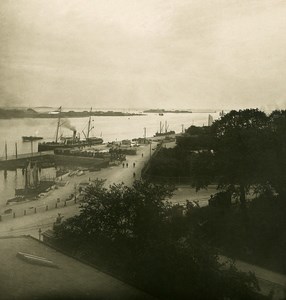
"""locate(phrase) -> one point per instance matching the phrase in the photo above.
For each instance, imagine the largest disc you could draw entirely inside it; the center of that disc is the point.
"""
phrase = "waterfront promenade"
(29, 217)
(43, 219)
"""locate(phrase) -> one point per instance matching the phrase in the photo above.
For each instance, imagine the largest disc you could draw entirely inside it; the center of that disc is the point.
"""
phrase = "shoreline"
(66, 115)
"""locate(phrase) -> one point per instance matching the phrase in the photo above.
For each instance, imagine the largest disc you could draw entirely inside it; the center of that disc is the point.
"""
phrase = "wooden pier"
(12, 162)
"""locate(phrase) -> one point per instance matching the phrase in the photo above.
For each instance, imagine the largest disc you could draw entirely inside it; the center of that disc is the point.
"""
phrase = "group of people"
(125, 164)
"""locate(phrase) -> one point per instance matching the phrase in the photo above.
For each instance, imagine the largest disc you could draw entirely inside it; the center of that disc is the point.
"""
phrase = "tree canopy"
(248, 149)
(135, 232)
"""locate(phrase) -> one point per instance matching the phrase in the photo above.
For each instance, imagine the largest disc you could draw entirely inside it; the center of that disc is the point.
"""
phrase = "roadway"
(30, 225)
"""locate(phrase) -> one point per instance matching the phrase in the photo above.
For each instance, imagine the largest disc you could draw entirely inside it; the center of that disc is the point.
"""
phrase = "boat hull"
(52, 145)
(31, 138)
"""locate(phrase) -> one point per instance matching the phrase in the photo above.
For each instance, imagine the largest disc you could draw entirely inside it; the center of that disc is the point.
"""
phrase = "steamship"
(164, 133)
(70, 142)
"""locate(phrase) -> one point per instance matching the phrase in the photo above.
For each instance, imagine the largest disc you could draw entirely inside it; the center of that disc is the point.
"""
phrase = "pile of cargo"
(83, 153)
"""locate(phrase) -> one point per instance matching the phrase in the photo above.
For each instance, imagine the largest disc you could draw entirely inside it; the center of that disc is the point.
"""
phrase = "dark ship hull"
(70, 142)
(31, 138)
(53, 145)
(32, 192)
(164, 133)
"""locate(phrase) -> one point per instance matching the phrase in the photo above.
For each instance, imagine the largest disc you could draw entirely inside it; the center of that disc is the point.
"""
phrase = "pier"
(12, 162)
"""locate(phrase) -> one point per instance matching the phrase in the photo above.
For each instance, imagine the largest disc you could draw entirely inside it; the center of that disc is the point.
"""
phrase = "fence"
(39, 209)
(147, 165)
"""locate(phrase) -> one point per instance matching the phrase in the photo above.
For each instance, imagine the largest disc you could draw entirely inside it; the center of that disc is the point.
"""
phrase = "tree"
(135, 232)
(277, 155)
(120, 212)
(238, 151)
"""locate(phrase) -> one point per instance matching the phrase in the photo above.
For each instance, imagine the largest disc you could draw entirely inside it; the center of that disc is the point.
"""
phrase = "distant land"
(160, 111)
(178, 111)
(31, 113)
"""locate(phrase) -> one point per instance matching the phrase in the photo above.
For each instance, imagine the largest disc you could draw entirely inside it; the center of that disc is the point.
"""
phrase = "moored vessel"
(31, 138)
(164, 133)
(70, 142)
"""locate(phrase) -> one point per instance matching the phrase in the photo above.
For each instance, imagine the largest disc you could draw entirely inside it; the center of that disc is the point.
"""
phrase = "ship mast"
(88, 126)
(166, 127)
(58, 125)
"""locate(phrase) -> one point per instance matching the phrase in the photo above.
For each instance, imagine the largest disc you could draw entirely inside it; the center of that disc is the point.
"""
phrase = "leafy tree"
(196, 138)
(238, 151)
(170, 162)
(135, 232)
(120, 212)
(277, 156)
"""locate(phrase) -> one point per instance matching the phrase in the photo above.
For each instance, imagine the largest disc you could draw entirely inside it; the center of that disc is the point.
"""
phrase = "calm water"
(109, 128)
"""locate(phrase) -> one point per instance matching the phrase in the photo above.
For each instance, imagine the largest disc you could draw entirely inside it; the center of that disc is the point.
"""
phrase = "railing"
(38, 209)
(147, 165)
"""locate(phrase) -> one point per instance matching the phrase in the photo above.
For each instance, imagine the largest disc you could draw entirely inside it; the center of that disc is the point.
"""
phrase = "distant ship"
(31, 138)
(164, 133)
(70, 142)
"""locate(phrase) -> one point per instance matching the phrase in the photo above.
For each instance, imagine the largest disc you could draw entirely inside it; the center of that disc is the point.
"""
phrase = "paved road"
(30, 224)
(268, 280)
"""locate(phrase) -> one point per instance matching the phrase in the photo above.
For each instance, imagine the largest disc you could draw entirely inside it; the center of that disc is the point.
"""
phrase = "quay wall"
(21, 162)
(81, 161)
(47, 159)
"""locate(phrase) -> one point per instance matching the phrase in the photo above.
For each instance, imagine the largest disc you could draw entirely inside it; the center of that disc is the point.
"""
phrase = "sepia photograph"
(143, 150)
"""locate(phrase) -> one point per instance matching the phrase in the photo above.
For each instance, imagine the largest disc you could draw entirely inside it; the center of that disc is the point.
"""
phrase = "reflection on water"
(11, 180)
(109, 128)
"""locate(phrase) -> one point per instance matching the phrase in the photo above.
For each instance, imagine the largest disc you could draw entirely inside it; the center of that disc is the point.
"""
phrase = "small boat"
(38, 260)
(161, 114)
(31, 138)
(15, 200)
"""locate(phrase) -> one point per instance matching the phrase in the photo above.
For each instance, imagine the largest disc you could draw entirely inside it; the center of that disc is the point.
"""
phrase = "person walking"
(123, 165)
(126, 165)
(134, 165)
(142, 154)
(134, 175)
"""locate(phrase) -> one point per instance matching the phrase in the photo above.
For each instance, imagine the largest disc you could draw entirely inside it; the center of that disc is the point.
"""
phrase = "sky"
(172, 54)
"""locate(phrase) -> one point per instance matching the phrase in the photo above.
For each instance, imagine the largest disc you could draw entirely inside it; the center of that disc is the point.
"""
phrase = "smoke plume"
(67, 124)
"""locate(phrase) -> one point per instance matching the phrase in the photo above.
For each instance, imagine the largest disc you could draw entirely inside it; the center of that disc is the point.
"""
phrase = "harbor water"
(109, 128)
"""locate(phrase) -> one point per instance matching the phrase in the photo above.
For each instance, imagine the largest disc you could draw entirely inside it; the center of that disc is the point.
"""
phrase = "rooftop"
(72, 279)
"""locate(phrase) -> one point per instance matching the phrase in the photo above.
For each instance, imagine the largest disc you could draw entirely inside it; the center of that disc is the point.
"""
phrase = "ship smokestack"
(74, 135)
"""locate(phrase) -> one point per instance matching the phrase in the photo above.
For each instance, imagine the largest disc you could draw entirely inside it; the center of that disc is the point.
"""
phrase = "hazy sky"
(143, 53)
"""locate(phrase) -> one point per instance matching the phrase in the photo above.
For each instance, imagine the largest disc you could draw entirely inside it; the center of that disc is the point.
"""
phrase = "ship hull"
(52, 145)
(31, 138)
(164, 133)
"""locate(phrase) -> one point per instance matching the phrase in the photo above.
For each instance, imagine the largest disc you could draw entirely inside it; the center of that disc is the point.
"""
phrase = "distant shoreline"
(176, 111)
(30, 113)
(166, 111)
